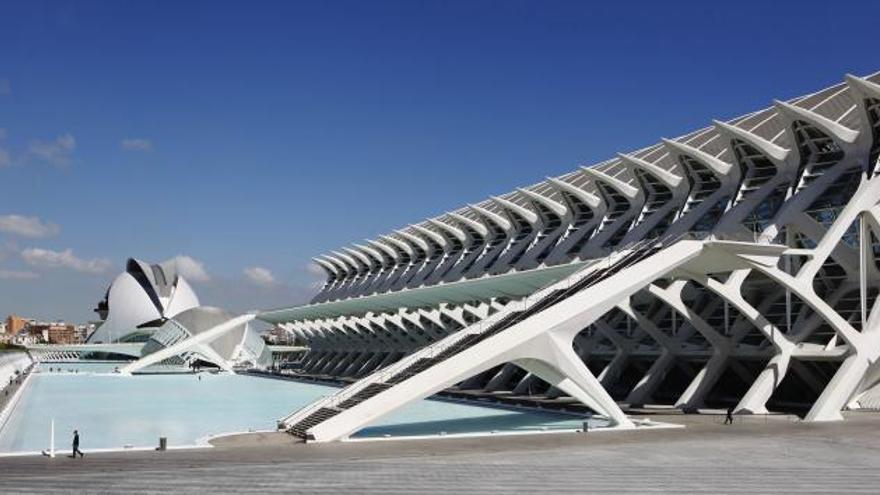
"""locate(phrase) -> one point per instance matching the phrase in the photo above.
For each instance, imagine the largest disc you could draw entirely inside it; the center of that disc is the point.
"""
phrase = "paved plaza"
(755, 455)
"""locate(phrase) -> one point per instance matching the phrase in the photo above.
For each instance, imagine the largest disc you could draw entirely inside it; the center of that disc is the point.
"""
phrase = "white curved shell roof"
(144, 293)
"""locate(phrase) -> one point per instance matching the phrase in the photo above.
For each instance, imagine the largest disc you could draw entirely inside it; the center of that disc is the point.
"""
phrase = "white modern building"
(151, 313)
(737, 264)
(140, 300)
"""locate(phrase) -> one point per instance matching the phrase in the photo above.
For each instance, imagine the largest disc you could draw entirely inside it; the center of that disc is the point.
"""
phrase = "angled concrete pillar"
(527, 385)
(756, 397)
(611, 373)
(839, 390)
(695, 393)
(343, 363)
(571, 375)
(499, 381)
(650, 382)
(356, 364)
(372, 364)
(477, 381)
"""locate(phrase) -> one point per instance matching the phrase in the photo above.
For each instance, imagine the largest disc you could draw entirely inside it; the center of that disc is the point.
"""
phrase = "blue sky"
(257, 134)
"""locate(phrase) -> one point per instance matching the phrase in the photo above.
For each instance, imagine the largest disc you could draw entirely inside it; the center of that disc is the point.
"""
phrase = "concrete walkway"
(756, 455)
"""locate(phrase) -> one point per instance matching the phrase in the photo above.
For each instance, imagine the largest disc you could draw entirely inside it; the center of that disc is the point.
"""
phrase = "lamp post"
(52, 438)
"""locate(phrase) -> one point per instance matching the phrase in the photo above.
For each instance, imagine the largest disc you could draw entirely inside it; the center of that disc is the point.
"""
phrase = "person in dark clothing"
(729, 419)
(76, 446)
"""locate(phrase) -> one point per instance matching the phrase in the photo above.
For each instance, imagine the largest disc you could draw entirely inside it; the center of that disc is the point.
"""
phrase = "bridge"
(73, 352)
(76, 352)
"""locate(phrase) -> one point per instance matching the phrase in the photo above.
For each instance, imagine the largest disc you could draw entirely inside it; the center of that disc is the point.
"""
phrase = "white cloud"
(27, 226)
(46, 258)
(259, 276)
(56, 152)
(18, 275)
(191, 268)
(5, 87)
(136, 144)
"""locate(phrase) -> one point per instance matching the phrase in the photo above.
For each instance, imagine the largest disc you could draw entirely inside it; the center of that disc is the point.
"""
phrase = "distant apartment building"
(25, 331)
(15, 324)
(54, 333)
(63, 334)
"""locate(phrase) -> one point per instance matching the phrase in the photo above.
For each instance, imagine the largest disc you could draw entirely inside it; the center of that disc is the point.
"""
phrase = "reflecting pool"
(115, 411)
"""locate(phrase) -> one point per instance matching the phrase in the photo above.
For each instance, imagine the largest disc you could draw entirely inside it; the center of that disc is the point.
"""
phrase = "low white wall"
(10, 362)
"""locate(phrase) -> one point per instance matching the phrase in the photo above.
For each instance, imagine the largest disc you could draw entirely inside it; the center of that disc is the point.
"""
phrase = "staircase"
(311, 420)
(301, 421)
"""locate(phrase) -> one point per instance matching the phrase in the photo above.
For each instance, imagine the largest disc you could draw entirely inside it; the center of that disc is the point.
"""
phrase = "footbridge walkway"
(74, 352)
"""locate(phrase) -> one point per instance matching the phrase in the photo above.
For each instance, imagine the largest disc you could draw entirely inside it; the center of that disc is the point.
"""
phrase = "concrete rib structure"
(736, 264)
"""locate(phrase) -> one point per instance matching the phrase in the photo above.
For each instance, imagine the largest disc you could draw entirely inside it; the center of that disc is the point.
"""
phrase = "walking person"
(76, 446)
(729, 419)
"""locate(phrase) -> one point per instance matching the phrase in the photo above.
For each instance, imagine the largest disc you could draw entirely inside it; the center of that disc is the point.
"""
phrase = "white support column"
(357, 363)
(499, 381)
(706, 378)
(755, 399)
(571, 376)
(615, 367)
(584, 349)
(696, 391)
(650, 382)
(839, 390)
(389, 358)
(611, 373)
(371, 364)
(527, 384)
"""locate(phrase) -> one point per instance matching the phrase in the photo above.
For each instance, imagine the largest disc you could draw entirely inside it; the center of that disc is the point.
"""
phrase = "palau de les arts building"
(151, 312)
(738, 264)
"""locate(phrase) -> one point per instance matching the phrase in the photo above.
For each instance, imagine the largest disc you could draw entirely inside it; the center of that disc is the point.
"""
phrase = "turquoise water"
(114, 411)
